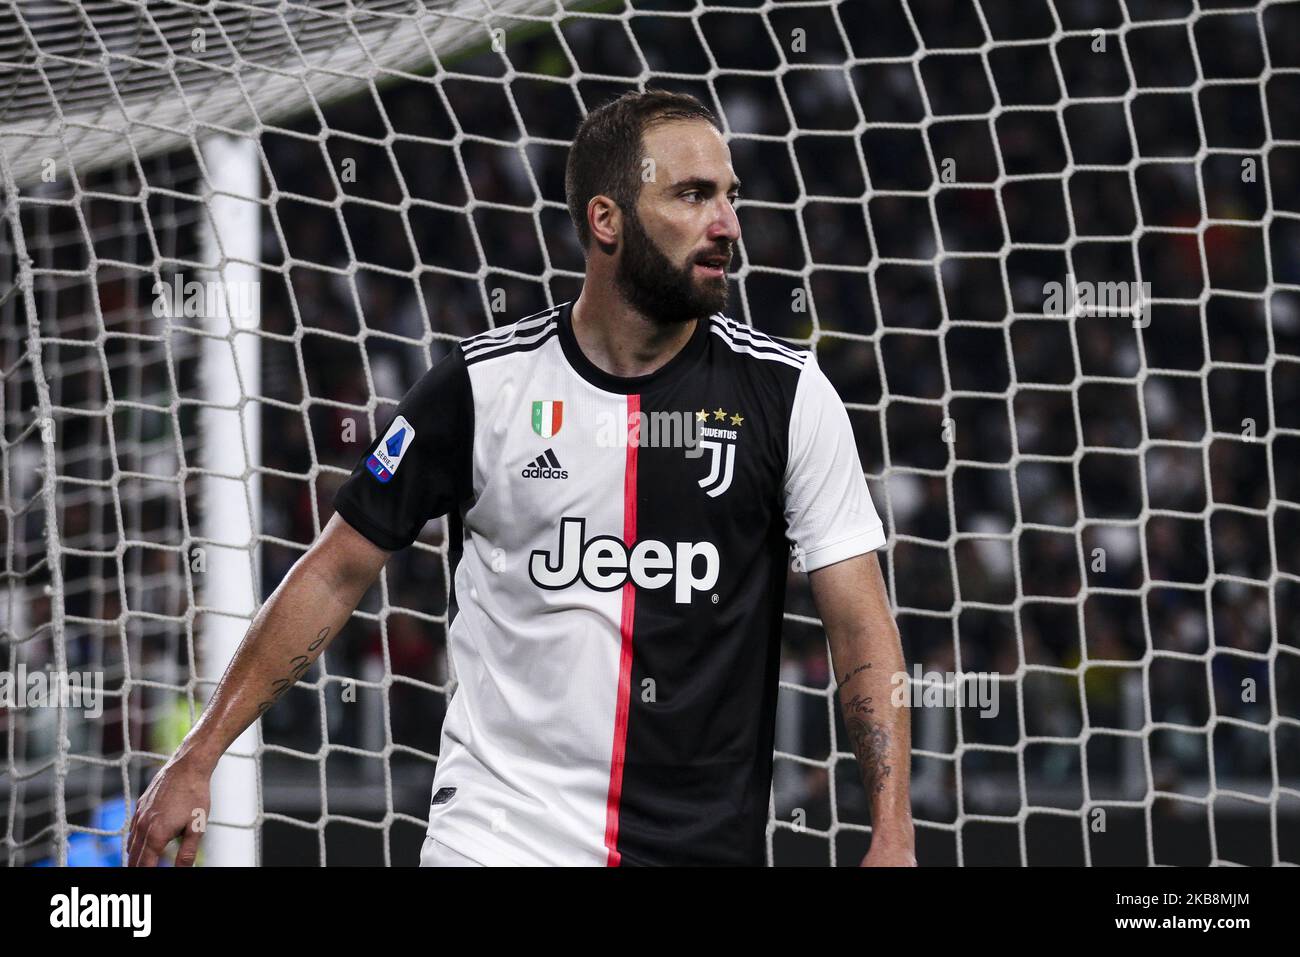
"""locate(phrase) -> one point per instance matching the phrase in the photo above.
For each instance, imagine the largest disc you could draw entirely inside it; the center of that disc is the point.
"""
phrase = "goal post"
(1045, 252)
(230, 448)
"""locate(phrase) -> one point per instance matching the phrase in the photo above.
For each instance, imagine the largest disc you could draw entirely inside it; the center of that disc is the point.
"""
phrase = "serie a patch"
(388, 455)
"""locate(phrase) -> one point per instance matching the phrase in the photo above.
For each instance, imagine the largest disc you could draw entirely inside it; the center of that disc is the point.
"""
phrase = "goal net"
(1049, 254)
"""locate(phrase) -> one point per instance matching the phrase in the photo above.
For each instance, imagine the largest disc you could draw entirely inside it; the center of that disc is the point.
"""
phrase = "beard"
(661, 291)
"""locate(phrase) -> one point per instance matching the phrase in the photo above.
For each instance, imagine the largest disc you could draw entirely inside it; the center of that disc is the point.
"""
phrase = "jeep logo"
(605, 564)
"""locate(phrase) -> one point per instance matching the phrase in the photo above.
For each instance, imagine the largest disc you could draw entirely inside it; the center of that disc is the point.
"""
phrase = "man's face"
(678, 242)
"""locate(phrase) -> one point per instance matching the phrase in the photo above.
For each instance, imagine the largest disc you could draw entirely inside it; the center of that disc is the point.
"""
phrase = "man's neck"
(620, 341)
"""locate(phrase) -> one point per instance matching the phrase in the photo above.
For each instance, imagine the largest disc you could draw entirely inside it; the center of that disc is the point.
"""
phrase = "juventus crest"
(722, 463)
(719, 441)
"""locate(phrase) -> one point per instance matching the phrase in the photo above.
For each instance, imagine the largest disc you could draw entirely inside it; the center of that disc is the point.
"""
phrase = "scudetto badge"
(548, 416)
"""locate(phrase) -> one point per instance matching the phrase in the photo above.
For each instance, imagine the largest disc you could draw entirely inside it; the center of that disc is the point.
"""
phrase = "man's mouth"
(712, 265)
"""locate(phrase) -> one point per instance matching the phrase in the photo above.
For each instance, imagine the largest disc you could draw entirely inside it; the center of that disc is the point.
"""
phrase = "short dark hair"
(605, 158)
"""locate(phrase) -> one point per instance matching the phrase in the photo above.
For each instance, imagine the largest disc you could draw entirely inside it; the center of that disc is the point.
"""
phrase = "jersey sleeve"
(828, 509)
(421, 467)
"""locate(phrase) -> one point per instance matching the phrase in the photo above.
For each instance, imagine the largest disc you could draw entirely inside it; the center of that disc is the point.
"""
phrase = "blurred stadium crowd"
(1057, 492)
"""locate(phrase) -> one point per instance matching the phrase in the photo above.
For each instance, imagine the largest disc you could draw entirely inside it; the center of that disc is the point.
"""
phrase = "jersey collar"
(671, 370)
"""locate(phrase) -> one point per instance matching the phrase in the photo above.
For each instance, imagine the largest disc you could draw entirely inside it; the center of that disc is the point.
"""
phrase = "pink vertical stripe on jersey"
(623, 703)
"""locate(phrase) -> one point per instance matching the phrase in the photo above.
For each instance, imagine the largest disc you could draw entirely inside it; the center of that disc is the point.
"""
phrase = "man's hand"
(289, 632)
(176, 805)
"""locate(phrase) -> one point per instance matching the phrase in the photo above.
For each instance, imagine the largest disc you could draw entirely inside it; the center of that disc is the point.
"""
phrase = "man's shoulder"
(751, 345)
(774, 366)
(511, 338)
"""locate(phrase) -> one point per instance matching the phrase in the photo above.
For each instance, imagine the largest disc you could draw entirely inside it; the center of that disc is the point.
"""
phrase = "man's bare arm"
(865, 654)
(290, 631)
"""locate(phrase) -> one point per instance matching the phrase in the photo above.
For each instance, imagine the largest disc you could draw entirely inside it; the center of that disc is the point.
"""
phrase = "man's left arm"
(865, 655)
(835, 530)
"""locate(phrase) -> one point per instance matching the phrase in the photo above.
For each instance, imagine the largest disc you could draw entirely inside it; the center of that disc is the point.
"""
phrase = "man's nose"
(726, 225)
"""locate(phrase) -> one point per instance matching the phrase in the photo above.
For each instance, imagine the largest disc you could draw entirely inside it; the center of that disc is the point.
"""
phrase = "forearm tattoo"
(298, 665)
(859, 669)
(870, 741)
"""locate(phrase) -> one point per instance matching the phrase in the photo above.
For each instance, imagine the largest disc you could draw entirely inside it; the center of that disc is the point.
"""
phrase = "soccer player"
(627, 476)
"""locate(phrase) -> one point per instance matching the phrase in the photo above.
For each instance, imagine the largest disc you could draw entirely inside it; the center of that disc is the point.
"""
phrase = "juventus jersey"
(621, 580)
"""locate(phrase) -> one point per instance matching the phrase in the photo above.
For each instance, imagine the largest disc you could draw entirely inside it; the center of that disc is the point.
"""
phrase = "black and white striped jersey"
(621, 580)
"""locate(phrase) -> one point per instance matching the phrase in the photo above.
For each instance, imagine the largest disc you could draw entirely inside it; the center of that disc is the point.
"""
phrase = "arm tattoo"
(855, 671)
(297, 666)
(871, 747)
(870, 741)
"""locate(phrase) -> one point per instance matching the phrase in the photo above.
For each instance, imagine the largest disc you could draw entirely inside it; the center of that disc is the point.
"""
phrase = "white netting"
(1104, 515)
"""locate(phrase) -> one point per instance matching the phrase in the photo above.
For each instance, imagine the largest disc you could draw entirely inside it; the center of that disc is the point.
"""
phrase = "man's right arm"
(420, 467)
(290, 631)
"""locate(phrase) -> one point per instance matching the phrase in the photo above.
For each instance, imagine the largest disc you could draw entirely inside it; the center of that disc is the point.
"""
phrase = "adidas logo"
(545, 466)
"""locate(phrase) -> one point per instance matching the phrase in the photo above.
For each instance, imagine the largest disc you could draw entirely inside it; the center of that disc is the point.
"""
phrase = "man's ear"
(605, 219)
